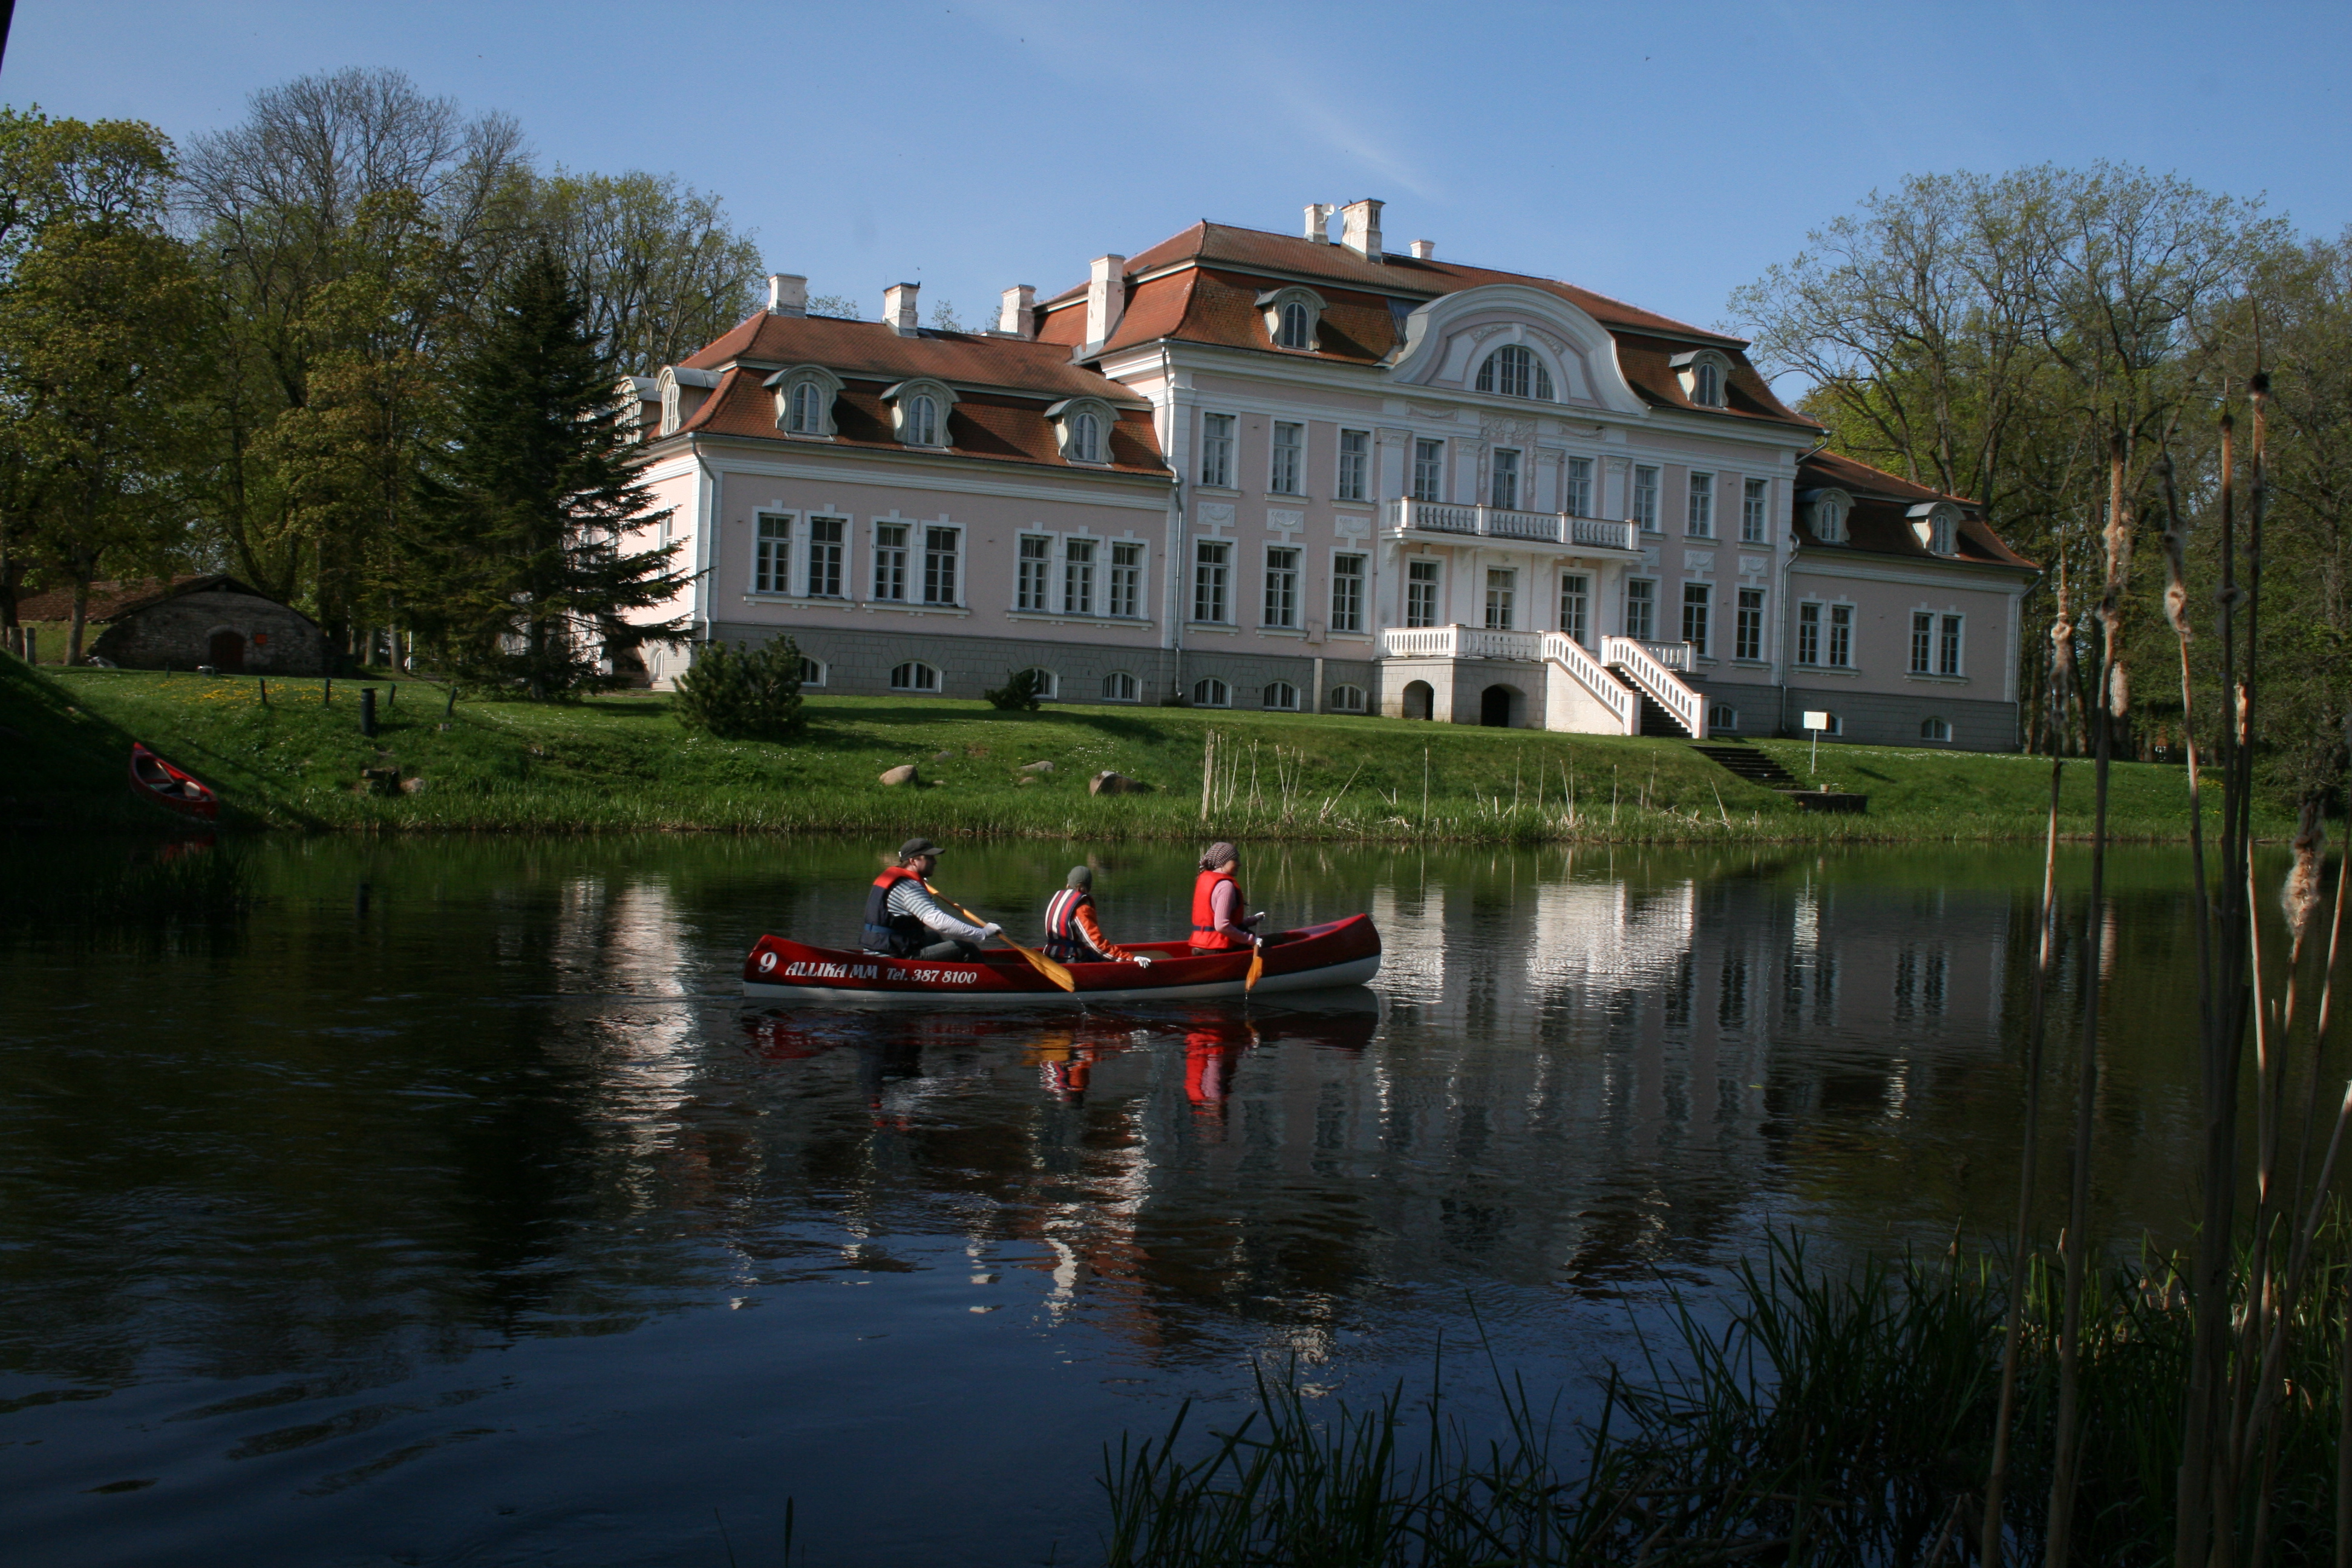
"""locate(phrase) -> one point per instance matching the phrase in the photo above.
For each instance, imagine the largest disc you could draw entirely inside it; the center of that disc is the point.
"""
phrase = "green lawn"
(623, 763)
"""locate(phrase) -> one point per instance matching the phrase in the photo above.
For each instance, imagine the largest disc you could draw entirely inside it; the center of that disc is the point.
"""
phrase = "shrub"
(1018, 694)
(744, 694)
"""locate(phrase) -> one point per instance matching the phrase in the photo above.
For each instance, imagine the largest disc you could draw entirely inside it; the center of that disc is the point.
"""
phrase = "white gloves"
(1143, 959)
(1258, 916)
(992, 931)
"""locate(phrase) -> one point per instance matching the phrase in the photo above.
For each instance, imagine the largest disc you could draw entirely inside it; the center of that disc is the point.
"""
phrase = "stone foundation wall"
(1876, 719)
(178, 633)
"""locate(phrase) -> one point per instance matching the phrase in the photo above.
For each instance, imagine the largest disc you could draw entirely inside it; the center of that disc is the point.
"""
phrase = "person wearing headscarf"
(1218, 923)
(1072, 933)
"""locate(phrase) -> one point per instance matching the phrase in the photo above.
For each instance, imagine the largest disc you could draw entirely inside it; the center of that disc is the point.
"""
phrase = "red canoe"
(1342, 953)
(159, 781)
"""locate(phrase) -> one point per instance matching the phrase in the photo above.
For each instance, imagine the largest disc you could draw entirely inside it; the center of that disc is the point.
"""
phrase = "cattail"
(2176, 552)
(2300, 898)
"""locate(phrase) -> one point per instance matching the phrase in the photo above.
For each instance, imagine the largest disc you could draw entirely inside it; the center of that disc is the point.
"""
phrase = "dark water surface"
(438, 1202)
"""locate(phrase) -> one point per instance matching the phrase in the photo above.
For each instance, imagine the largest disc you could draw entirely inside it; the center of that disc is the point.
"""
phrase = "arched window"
(1082, 425)
(813, 671)
(1940, 534)
(923, 422)
(1049, 685)
(1210, 692)
(1297, 326)
(1515, 371)
(914, 675)
(1936, 729)
(1703, 374)
(1828, 518)
(1282, 695)
(1722, 716)
(1086, 438)
(807, 416)
(1120, 687)
(1348, 699)
(1707, 385)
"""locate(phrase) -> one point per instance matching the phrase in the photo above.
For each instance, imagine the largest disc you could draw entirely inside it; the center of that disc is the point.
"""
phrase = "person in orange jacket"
(1073, 935)
(1218, 923)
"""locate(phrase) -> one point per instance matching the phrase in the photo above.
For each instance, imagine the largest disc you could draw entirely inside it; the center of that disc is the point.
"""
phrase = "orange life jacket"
(1205, 912)
(900, 935)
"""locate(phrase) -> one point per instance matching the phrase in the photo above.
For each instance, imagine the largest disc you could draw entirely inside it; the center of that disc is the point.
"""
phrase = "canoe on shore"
(1314, 958)
(152, 778)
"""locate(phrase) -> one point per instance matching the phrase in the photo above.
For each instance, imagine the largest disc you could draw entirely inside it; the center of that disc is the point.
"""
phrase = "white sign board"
(1817, 720)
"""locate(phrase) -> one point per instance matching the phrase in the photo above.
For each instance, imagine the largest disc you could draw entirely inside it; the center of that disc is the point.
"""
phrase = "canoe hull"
(1316, 958)
(174, 789)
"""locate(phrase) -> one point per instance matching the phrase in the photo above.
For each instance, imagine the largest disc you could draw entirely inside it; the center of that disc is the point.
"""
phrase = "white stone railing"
(1662, 684)
(1418, 642)
(1497, 523)
(1606, 689)
(1673, 654)
(1458, 642)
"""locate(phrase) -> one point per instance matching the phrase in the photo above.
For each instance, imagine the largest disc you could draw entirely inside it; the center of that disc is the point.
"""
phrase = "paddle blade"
(1046, 967)
(1257, 968)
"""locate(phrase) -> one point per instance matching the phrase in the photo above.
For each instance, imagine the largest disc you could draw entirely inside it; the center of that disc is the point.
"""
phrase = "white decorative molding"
(1284, 518)
(1215, 514)
(1698, 559)
(1649, 556)
(1353, 527)
(1754, 565)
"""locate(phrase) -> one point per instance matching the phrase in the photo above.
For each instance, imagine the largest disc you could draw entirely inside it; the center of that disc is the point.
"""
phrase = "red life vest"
(886, 932)
(1205, 912)
(1065, 940)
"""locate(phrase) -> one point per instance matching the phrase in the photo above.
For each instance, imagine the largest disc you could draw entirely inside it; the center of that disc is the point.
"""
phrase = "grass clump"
(1824, 1418)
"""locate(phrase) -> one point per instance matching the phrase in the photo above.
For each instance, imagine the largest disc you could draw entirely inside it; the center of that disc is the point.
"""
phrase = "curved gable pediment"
(1447, 339)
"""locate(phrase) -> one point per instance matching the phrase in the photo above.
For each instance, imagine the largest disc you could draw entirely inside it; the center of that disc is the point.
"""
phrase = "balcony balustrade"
(1499, 523)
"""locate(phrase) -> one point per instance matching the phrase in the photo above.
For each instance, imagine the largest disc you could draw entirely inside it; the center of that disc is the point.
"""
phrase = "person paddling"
(1072, 933)
(906, 920)
(1218, 923)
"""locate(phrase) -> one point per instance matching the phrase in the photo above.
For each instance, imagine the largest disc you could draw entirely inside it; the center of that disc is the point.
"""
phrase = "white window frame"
(814, 671)
(1350, 579)
(1285, 461)
(1841, 641)
(1503, 480)
(1082, 429)
(893, 548)
(1049, 682)
(787, 385)
(1349, 699)
(1274, 305)
(1079, 560)
(1644, 507)
(1698, 506)
(1698, 616)
(1748, 624)
(1525, 376)
(1033, 572)
(1212, 581)
(1705, 375)
(1118, 686)
(1280, 606)
(1425, 592)
(1935, 727)
(1576, 606)
(1270, 696)
(1354, 477)
(772, 552)
(934, 555)
(1576, 488)
(824, 563)
(1124, 585)
(1502, 598)
(1756, 513)
(1809, 633)
(1428, 470)
(1210, 691)
(1643, 629)
(1829, 512)
(919, 676)
(1951, 651)
(1219, 440)
(907, 401)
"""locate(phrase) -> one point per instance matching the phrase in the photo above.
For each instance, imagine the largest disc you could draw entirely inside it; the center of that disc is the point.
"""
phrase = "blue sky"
(1662, 152)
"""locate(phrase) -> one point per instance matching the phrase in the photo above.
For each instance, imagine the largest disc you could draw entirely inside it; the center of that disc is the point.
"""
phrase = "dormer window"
(919, 411)
(1294, 317)
(1936, 526)
(1515, 371)
(1704, 374)
(682, 392)
(805, 396)
(1084, 425)
(1829, 511)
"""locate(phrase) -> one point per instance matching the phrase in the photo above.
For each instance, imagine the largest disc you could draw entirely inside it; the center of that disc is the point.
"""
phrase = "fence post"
(367, 711)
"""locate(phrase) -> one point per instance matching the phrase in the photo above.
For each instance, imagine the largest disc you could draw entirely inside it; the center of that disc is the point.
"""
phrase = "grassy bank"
(295, 760)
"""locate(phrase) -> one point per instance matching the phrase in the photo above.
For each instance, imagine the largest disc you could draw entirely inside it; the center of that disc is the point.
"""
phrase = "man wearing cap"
(1072, 933)
(906, 920)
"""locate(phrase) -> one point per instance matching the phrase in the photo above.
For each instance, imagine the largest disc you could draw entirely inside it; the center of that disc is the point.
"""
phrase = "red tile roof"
(1002, 386)
(1880, 524)
(1221, 269)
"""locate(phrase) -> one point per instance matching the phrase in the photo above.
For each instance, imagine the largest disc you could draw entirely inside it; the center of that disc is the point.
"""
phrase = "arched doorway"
(227, 652)
(1420, 700)
(1498, 707)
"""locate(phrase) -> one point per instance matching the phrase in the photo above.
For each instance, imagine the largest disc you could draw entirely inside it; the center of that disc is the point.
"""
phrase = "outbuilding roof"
(112, 599)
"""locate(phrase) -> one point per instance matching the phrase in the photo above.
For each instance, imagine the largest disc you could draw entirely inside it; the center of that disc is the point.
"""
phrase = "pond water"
(428, 1202)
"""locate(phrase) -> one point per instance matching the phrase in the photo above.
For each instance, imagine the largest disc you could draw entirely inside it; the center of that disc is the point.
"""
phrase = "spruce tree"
(520, 570)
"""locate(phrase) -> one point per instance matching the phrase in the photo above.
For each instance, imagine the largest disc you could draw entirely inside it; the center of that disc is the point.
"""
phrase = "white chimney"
(787, 295)
(1422, 249)
(1360, 229)
(1015, 316)
(1106, 298)
(898, 308)
(1319, 222)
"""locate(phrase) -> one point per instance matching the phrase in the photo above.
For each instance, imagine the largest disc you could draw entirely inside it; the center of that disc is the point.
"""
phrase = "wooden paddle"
(1257, 968)
(1038, 960)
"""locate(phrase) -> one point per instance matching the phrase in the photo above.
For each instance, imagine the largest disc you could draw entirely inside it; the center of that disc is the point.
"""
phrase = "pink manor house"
(1280, 471)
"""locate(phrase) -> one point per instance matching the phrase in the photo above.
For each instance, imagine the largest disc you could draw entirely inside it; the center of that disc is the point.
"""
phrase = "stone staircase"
(1757, 768)
(1655, 719)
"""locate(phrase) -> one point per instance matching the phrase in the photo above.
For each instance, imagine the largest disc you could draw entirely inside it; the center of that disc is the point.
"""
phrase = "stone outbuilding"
(207, 619)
